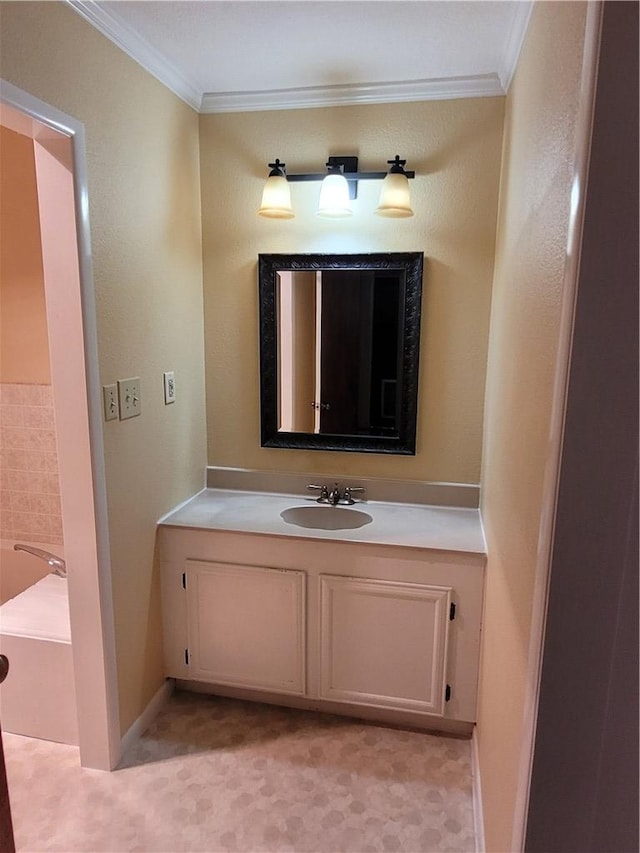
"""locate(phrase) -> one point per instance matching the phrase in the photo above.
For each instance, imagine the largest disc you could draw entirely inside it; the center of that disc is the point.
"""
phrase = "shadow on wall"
(184, 226)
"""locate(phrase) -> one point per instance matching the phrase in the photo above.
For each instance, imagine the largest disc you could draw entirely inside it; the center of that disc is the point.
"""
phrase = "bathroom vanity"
(372, 610)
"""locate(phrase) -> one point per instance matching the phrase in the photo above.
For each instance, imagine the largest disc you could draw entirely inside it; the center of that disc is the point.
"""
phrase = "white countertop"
(409, 525)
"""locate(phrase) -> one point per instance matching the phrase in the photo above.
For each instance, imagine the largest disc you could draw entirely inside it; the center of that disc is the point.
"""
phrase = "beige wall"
(24, 344)
(455, 148)
(144, 205)
(538, 165)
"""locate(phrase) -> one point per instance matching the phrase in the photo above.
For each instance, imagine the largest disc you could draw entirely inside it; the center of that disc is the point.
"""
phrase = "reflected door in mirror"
(339, 351)
(339, 343)
(359, 352)
(296, 336)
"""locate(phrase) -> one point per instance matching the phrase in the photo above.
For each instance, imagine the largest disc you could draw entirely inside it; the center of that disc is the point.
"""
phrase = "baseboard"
(139, 727)
(476, 790)
(381, 716)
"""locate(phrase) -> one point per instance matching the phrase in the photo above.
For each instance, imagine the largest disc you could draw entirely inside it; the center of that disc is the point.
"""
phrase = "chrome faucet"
(334, 496)
(57, 564)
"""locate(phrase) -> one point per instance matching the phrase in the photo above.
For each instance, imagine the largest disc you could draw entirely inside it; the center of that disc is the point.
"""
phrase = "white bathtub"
(19, 570)
(38, 697)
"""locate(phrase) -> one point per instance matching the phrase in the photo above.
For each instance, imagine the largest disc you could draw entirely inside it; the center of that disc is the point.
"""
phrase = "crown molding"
(517, 32)
(480, 86)
(446, 88)
(139, 49)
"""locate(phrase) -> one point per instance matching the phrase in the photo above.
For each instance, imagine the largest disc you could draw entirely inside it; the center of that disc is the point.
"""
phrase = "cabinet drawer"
(246, 626)
(383, 643)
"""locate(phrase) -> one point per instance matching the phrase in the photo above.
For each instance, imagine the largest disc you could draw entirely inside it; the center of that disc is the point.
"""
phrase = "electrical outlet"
(110, 402)
(129, 397)
(169, 387)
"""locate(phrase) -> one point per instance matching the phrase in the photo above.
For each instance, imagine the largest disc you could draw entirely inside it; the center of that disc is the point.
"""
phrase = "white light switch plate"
(110, 402)
(129, 397)
(169, 387)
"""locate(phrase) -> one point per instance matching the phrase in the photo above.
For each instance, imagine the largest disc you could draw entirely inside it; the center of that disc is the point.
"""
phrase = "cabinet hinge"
(186, 656)
(452, 611)
(447, 693)
(184, 580)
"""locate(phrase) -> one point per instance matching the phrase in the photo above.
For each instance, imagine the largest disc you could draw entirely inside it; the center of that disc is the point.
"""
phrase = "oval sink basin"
(320, 517)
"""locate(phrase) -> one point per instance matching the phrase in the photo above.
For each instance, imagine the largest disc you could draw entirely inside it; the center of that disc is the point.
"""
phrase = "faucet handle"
(324, 492)
(348, 492)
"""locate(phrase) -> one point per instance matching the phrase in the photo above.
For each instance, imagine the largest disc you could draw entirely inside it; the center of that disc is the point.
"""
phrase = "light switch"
(129, 397)
(110, 402)
(169, 387)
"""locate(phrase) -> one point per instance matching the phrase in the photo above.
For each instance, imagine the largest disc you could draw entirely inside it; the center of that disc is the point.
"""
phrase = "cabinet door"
(246, 626)
(383, 643)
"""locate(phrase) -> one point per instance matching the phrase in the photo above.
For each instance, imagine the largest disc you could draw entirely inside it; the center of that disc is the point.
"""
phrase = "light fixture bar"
(349, 168)
(350, 176)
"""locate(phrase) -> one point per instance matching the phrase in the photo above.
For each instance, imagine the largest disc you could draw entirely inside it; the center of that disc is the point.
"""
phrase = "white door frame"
(71, 316)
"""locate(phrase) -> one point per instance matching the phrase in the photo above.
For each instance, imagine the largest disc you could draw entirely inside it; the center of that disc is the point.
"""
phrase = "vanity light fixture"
(334, 194)
(395, 200)
(339, 184)
(276, 196)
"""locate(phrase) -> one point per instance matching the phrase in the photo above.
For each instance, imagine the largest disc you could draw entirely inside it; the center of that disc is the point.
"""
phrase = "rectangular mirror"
(339, 350)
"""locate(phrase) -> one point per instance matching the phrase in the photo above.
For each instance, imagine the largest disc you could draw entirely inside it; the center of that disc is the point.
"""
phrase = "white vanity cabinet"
(384, 643)
(384, 632)
(245, 626)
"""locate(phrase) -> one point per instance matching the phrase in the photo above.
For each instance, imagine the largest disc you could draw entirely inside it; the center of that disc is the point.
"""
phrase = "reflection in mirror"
(338, 354)
(339, 351)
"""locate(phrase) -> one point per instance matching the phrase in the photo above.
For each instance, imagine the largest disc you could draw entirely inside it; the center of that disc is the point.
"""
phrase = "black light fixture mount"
(349, 167)
(278, 169)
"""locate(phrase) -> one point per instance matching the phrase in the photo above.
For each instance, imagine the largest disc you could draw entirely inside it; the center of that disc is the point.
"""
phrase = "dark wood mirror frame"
(409, 265)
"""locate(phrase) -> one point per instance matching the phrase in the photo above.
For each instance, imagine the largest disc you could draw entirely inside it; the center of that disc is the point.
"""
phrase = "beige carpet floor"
(216, 774)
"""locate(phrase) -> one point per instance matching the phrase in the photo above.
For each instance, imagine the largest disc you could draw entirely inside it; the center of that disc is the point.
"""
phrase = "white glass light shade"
(276, 198)
(394, 196)
(334, 197)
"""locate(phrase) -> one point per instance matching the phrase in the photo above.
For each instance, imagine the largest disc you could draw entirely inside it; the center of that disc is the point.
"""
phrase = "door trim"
(90, 597)
(584, 124)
